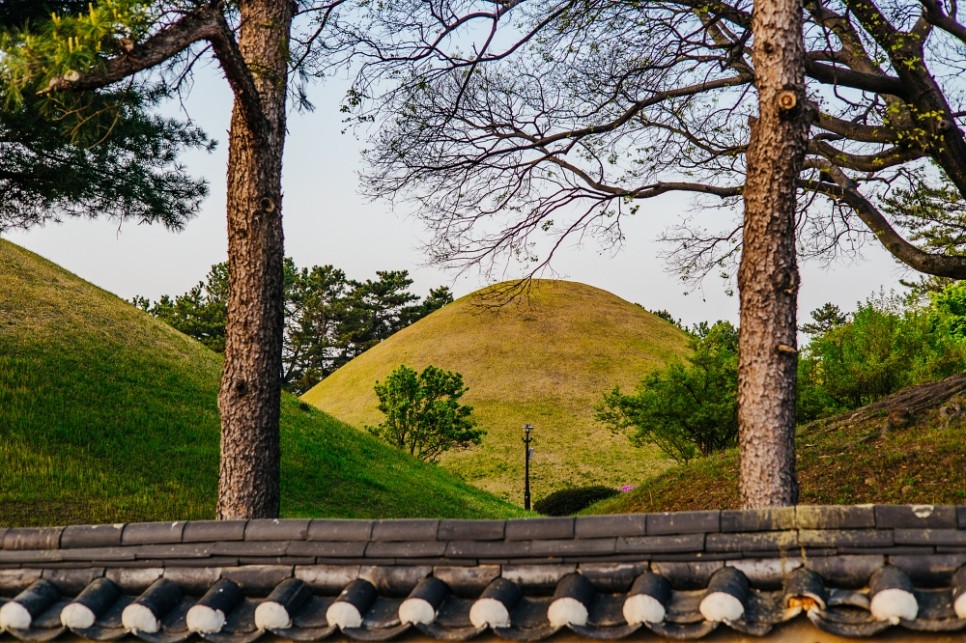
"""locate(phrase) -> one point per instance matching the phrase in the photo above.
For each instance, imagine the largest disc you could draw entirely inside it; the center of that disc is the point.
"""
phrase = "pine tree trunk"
(249, 399)
(768, 274)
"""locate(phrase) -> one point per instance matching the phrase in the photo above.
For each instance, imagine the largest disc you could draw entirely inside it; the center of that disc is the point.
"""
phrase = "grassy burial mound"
(545, 359)
(109, 415)
(906, 448)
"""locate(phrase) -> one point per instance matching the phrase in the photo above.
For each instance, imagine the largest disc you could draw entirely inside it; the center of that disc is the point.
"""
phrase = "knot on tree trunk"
(787, 100)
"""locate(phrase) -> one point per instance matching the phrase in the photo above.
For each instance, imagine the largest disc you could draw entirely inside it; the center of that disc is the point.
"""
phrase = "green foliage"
(68, 44)
(824, 319)
(686, 410)
(935, 215)
(950, 306)
(851, 459)
(883, 347)
(114, 160)
(567, 502)
(423, 413)
(667, 316)
(329, 319)
(109, 415)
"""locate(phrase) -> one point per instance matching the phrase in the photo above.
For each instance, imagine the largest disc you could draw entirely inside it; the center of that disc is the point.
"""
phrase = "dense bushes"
(886, 345)
(569, 501)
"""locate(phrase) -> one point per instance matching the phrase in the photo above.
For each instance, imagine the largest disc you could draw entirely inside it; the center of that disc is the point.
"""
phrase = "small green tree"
(824, 319)
(423, 413)
(686, 410)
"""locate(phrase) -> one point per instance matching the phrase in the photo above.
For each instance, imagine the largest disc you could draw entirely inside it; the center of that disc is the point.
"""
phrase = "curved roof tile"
(849, 571)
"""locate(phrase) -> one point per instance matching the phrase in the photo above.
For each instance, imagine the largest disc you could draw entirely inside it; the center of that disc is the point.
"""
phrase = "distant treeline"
(329, 318)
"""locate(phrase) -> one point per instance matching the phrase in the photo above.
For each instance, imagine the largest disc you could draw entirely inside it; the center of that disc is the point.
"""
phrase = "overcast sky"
(327, 222)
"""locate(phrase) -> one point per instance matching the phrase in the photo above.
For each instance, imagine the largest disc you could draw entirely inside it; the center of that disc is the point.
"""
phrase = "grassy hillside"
(107, 414)
(906, 448)
(545, 359)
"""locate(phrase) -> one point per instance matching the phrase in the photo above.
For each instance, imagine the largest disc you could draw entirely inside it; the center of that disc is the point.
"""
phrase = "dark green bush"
(569, 501)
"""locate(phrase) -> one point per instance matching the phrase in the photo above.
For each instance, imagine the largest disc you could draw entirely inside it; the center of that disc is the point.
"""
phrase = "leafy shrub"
(686, 410)
(567, 502)
(423, 413)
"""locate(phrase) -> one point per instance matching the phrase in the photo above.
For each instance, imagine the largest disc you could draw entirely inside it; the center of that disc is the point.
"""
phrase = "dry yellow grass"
(546, 358)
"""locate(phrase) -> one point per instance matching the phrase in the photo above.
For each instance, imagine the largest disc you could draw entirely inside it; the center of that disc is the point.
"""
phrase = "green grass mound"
(904, 449)
(544, 359)
(108, 415)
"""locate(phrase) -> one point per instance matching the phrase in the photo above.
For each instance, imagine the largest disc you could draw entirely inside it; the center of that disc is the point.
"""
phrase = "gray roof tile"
(100, 554)
(208, 531)
(91, 536)
(539, 576)
(153, 533)
(133, 579)
(327, 578)
(400, 530)
(536, 558)
(467, 581)
(846, 538)
(939, 537)
(929, 571)
(897, 550)
(179, 551)
(610, 526)
(689, 575)
(834, 517)
(539, 528)
(335, 530)
(661, 544)
(243, 548)
(471, 529)
(684, 522)
(415, 549)
(194, 580)
(19, 557)
(277, 530)
(73, 581)
(486, 549)
(32, 538)
(771, 519)
(850, 571)
(924, 516)
(259, 578)
(348, 549)
(756, 541)
(579, 547)
(13, 581)
(394, 581)
(612, 577)
(288, 561)
(768, 573)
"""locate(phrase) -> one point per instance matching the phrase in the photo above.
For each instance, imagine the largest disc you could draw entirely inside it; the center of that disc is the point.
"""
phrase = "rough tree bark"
(768, 273)
(249, 399)
(256, 67)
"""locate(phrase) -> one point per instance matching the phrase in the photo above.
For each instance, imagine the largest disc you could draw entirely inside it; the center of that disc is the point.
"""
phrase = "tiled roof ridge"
(931, 534)
(802, 518)
(704, 567)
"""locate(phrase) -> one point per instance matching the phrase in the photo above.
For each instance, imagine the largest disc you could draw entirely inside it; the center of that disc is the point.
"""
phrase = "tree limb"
(952, 266)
